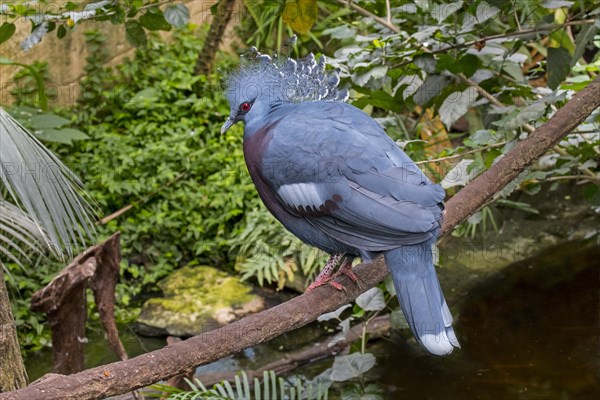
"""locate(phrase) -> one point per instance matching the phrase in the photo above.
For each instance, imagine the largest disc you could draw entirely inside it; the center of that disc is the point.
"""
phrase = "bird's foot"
(326, 273)
(326, 281)
(345, 269)
(328, 276)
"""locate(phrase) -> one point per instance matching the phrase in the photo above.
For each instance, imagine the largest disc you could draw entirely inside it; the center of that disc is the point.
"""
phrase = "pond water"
(530, 332)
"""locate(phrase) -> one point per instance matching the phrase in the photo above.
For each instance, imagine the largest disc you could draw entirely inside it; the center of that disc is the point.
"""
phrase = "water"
(529, 332)
(97, 351)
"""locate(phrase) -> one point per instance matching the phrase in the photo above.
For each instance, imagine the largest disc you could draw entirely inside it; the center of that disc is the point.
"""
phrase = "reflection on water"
(530, 332)
(97, 351)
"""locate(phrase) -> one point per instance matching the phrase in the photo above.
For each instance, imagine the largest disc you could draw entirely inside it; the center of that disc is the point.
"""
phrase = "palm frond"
(19, 235)
(271, 387)
(46, 191)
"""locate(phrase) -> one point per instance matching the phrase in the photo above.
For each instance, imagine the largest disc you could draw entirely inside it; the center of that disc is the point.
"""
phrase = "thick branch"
(123, 376)
(12, 370)
(220, 20)
(330, 346)
(64, 301)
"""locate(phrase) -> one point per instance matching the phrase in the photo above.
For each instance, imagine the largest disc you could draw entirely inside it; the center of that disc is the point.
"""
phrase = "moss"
(197, 296)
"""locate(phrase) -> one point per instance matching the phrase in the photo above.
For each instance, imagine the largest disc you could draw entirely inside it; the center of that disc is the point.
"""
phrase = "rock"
(197, 299)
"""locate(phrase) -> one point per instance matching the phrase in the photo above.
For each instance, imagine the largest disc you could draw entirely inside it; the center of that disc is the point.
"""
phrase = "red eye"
(245, 107)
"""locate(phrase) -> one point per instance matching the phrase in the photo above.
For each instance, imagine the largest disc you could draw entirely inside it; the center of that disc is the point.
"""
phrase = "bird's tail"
(421, 297)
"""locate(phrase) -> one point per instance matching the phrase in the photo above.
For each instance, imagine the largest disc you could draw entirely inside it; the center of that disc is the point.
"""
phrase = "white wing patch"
(301, 195)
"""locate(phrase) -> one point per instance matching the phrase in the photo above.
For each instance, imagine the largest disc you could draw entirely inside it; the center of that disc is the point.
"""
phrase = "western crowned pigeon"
(331, 175)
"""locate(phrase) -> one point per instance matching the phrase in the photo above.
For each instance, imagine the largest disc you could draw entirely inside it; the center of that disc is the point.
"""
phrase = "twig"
(128, 207)
(366, 13)
(546, 28)
(330, 346)
(478, 150)
(568, 177)
(388, 11)
(543, 28)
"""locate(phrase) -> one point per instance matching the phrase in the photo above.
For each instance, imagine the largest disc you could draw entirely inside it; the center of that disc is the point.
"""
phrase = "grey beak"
(228, 124)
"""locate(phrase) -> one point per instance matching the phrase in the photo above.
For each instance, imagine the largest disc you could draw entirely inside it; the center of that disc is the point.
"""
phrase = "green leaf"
(515, 119)
(456, 105)
(485, 12)
(442, 11)
(135, 33)
(300, 15)
(48, 121)
(356, 392)
(432, 86)
(65, 135)
(55, 204)
(398, 320)
(389, 285)
(551, 4)
(362, 78)
(379, 99)
(177, 15)
(340, 32)
(155, 21)
(61, 32)
(585, 36)
(6, 61)
(459, 175)
(334, 314)
(426, 62)
(561, 38)
(71, 6)
(559, 65)
(351, 366)
(466, 65)
(371, 300)
(6, 31)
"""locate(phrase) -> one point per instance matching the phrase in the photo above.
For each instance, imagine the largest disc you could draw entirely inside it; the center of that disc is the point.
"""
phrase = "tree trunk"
(12, 369)
(221, 18)
(64, 302)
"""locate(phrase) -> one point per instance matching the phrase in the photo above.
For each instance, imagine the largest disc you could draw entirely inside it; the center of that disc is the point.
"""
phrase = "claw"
(338, 286)
(327, 275)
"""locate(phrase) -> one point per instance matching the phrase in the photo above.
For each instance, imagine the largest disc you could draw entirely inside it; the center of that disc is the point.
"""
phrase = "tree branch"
(204, 62)
(539, 29)
(368, 14)
(123, 376)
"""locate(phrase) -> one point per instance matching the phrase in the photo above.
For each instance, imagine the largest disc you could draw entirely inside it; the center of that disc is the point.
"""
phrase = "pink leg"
(326, 273)
(346, 269)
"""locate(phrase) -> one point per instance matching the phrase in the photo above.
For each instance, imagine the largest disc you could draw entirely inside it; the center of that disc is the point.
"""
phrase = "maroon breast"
(254, 149)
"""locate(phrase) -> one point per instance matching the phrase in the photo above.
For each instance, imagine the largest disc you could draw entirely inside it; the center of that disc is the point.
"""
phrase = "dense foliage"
(459, 83)
(138, 16)
(155, 146)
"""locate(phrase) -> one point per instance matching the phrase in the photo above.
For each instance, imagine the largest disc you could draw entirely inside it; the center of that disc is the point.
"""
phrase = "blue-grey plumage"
(331, 175)
(421, 297)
